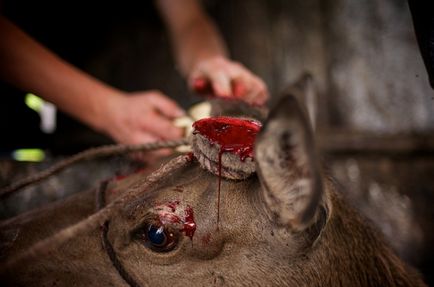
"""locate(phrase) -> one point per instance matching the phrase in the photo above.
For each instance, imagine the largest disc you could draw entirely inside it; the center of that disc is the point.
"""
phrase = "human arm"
(202, 56)
(26, 64)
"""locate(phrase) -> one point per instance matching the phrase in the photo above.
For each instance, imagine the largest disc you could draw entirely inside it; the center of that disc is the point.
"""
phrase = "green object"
(34, 102)
(31, 154)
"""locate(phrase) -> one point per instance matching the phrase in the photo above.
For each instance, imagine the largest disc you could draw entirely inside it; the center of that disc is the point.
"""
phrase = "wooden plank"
(335, 141)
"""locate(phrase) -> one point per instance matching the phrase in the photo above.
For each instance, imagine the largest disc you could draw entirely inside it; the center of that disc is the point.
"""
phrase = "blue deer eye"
(157, 237)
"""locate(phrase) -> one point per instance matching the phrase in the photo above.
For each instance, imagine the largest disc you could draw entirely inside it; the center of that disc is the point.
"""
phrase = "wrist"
(101, 110)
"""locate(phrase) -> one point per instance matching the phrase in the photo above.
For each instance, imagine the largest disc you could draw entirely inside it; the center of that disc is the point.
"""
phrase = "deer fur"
(287, 225)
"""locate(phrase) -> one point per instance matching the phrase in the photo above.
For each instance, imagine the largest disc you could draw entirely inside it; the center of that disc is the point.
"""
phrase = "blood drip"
(189, 223)
(169, 217)
(190, 156)
(232, 135)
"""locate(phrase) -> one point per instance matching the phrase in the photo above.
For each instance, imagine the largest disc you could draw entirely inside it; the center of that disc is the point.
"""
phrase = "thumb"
(165, 106)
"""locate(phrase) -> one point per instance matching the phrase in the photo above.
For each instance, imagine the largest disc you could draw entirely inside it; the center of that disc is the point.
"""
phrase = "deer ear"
(287, 165)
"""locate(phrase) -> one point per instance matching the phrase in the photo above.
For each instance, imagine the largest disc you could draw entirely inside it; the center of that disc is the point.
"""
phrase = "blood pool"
(229, 135)
(233, 135)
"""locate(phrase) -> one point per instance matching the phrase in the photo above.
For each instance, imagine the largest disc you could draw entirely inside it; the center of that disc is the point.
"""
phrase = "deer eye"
(158, 237)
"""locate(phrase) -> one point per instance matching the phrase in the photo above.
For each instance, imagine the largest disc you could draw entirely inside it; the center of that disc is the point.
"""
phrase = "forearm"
(31, 67)
(193, 34)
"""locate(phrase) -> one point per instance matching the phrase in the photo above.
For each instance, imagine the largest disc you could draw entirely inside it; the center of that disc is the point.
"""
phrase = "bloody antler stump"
(224, 145)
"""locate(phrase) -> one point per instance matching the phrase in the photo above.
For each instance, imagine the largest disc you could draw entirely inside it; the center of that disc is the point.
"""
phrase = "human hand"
(140, 117)
(223, 78)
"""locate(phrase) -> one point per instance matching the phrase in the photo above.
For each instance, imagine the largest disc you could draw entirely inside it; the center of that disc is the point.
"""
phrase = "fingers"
(166, 106)
(159, 120)
(142, 117)
(221, 84)
(211, 78)
(239, 88)
(142, 137)
(202, 86)
(228, 80)
(153, 114)
(247, 86)
(256, 94)
(161, 127)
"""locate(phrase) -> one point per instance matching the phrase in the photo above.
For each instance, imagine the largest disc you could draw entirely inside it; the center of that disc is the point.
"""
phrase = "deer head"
(284, 225)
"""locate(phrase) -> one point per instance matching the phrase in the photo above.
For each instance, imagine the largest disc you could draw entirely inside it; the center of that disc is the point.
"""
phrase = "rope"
(106, 244)
(85, 155)
(97, 219)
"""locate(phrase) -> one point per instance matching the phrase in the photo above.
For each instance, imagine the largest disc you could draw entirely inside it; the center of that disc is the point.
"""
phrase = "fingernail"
(223, 92)
(239, 89)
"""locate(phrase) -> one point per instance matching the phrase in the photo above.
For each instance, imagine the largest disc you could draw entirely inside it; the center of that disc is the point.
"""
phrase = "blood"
(190, 156)
(202, 86)
(170, 217)
(220, 183)
(189, 223)
(166, 217)
(173, 204)
(120, 177)
(232, 135)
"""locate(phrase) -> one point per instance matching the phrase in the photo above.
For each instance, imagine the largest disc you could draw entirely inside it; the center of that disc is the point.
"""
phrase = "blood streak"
(190, 156)
(173, 204)
(169, 216)
(232, 135)
(189, 223)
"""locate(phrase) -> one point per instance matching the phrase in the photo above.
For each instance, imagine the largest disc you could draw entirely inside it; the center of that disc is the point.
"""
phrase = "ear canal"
(287, 165)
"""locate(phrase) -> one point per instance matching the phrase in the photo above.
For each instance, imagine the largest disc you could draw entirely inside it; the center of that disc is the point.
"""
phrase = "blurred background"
(376, 109)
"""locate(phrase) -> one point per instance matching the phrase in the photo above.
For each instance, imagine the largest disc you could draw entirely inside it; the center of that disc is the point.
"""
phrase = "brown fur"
(285, 226)
(248, 249)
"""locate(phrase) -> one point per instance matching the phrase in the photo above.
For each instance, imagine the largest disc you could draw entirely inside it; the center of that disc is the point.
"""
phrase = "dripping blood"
(232, 135)
(189, 223)
(170, 217)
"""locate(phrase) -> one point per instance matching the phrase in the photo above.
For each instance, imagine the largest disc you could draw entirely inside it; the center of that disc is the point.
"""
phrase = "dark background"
(376, 119)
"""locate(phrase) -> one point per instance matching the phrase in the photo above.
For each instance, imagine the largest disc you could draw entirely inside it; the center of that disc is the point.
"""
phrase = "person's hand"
(140, 117)
(223, 78)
